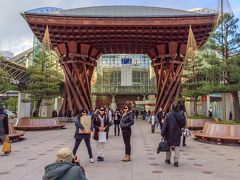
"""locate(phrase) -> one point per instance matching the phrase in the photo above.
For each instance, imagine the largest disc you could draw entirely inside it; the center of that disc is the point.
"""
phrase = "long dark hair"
(83, 110)
(128, 106)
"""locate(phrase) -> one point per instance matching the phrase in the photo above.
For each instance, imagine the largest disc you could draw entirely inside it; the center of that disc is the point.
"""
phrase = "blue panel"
(126, 61)
(45, 10)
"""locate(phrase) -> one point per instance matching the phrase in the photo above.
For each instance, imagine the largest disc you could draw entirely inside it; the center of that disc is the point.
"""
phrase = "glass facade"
(109, 75)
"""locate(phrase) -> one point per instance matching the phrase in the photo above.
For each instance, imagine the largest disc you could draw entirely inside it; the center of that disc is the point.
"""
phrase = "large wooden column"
(167, 61)
(78, 62)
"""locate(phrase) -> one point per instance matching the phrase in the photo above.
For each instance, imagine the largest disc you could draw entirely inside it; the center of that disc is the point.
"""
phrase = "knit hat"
(65, 154)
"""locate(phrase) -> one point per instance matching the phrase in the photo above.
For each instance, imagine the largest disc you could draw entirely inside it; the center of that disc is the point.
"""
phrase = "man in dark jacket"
(65, 168)
(3, 124)
(171, 131)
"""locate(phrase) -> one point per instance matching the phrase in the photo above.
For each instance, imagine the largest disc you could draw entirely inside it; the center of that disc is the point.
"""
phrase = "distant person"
(4, 130)
(144, 114)
(60, 114)
(126, 122)
(83, 134)
(109, 113)
(136, 113)
(101, 125)
(69, 116)
(117, 119)
(181, 110)
(230, 115)
(54, 114)
(210, 114)
(153, 120)
(171, 132)
(160, 118)
(66, 167)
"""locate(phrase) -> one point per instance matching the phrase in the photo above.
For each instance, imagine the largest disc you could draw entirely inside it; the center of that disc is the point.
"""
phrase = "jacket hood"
(56, 170)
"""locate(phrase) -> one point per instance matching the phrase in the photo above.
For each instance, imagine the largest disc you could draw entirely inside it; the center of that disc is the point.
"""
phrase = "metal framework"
(80, 38)
(16, 72)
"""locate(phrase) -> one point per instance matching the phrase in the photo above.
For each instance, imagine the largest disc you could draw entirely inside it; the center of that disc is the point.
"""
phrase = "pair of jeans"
(116, 127)
(87, 142)
(126, 133)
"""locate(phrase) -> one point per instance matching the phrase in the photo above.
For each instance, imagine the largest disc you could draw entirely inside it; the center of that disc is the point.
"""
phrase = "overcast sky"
(15, 33)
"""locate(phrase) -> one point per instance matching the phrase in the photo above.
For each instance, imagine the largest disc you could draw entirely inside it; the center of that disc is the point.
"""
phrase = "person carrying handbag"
(171, 132)
(4, 131)
(101, 125)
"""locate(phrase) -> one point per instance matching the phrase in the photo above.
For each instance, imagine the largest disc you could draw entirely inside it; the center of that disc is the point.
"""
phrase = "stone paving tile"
(198, 161)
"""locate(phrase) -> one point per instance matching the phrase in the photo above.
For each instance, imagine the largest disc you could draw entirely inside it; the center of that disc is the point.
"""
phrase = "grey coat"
(171, 130)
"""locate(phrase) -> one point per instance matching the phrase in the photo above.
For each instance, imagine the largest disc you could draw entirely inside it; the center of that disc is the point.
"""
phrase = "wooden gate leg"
(168, 83)
(78, 62)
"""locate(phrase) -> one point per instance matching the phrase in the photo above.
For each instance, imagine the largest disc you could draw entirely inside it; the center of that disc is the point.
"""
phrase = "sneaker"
(91, 160)
(102, 159)
(167, 161)
(184, 145)
(175, 164)
(98, 158)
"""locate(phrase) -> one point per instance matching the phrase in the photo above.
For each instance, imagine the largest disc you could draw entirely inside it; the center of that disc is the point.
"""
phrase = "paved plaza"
(199, 161)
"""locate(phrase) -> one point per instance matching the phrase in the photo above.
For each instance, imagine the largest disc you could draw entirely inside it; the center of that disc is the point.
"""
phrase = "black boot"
(175, 164)
(167, 161)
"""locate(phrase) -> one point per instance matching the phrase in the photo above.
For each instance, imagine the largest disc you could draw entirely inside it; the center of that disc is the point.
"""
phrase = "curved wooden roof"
(134, 33)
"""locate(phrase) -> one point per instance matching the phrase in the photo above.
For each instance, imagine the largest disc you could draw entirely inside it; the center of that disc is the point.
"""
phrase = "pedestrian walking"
(101, 125)
(126, 122)
(153, 120)
(84, 127)
(171, 132)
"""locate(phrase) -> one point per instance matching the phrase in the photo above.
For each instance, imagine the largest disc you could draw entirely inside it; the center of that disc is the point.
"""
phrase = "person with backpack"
(172, 132)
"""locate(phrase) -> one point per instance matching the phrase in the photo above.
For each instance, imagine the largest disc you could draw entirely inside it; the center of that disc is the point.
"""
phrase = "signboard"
(126, 72)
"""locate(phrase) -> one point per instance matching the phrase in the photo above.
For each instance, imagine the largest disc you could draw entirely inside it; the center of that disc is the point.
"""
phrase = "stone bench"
(220, 133)
(28, 124)
(196, 124)
(14, 135)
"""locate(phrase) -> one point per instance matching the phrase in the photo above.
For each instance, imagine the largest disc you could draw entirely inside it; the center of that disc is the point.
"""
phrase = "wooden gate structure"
(80, 36)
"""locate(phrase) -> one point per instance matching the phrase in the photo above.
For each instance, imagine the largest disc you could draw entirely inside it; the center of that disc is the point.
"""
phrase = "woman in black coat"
(82, 133)
(101, 124)
(126, 123)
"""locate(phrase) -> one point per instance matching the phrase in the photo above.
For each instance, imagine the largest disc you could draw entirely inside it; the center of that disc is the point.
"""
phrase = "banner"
(126, 72)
